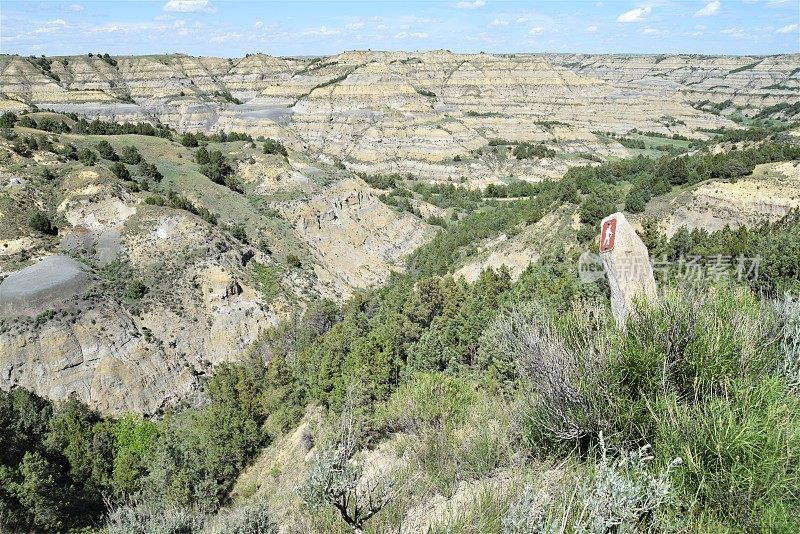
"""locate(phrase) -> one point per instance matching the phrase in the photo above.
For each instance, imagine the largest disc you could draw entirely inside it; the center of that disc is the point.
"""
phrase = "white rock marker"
(627, 266)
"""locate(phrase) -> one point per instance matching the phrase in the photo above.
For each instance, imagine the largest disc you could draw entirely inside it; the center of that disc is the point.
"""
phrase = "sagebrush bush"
(150, 519)
(251, 518)
(788, 313)
(456, 431)
(558, 409)
(612, 494)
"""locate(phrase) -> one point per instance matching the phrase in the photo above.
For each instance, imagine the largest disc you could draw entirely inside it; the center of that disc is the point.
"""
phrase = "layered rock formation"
(408, 112)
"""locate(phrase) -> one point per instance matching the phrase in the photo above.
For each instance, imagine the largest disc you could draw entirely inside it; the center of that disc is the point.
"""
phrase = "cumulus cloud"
(190, 6)
(710, 9)
(75, 8)
(51, 26)
(591, 28)
(789, 28)
(536, 30)
(355, 26)
(226, 37)
(412, 35)
(471, 5)
(522, 20)
(258, 25)
(499, 22)
(736, 33)
(652, 32)
(323, 30)
(634, 15)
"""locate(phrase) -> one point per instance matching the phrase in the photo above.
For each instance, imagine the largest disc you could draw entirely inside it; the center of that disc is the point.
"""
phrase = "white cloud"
(412, 35)
(52, 26)
(381, 27)
(710, 9)
(226, 37)
(189, 6)
(591, 28)
(258, 25)
(789, 28)
(522, 20)
(634, 15)
(471, 5)
(736, 33)
(599, 4)
(652, 32)
(323, 30)
(355, 26)
(499, 22)
(536, 30)
(75, 8)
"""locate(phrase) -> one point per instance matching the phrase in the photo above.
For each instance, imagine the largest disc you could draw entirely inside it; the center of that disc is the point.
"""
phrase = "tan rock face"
(770, 193)
(357, 240)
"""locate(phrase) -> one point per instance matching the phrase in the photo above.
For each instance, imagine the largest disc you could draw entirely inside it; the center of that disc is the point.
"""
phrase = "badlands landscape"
(232, 287)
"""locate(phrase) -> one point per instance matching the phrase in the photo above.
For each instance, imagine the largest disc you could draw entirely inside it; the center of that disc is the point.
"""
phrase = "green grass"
(268, 278)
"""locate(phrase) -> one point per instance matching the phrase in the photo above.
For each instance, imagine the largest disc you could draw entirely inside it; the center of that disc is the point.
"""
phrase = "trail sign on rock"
(608, 233)
(627, 266)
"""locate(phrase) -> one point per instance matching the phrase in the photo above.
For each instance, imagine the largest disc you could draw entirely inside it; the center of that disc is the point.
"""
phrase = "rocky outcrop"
(752, 82)
(771, 192)
(356, 239)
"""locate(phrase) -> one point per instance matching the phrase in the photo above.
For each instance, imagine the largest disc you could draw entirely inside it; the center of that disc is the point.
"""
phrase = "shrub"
(694, 376)
(47, 174)
(20, 147)
(189, 140)
(68, 152)
(135, 289)
(271, 146)
(87, 157)
(130, 155)
(238, 232)
(151, 519)
(149, 170)
(39, 222)
(201, 155)
(106, 151)
(560, 384)
(528, 151)
(613, 495)
(333, 479)
(293, 261)
(595, 207)
(252, 518)
(7, 120)
(788, 312)
(120, 171)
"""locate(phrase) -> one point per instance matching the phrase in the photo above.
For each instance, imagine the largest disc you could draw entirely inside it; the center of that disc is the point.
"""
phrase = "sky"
(233, 29)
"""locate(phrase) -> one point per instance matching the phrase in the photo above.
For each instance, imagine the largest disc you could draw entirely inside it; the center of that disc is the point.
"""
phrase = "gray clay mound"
(42, 286)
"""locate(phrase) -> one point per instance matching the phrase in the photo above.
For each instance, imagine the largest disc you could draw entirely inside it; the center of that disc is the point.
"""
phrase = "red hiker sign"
(607, 235)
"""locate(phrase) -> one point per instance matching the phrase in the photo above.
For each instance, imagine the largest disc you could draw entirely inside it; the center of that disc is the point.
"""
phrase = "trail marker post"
(626, 263)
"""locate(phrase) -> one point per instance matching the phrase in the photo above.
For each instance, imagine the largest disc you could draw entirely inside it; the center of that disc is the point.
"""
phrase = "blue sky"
(232, 29)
